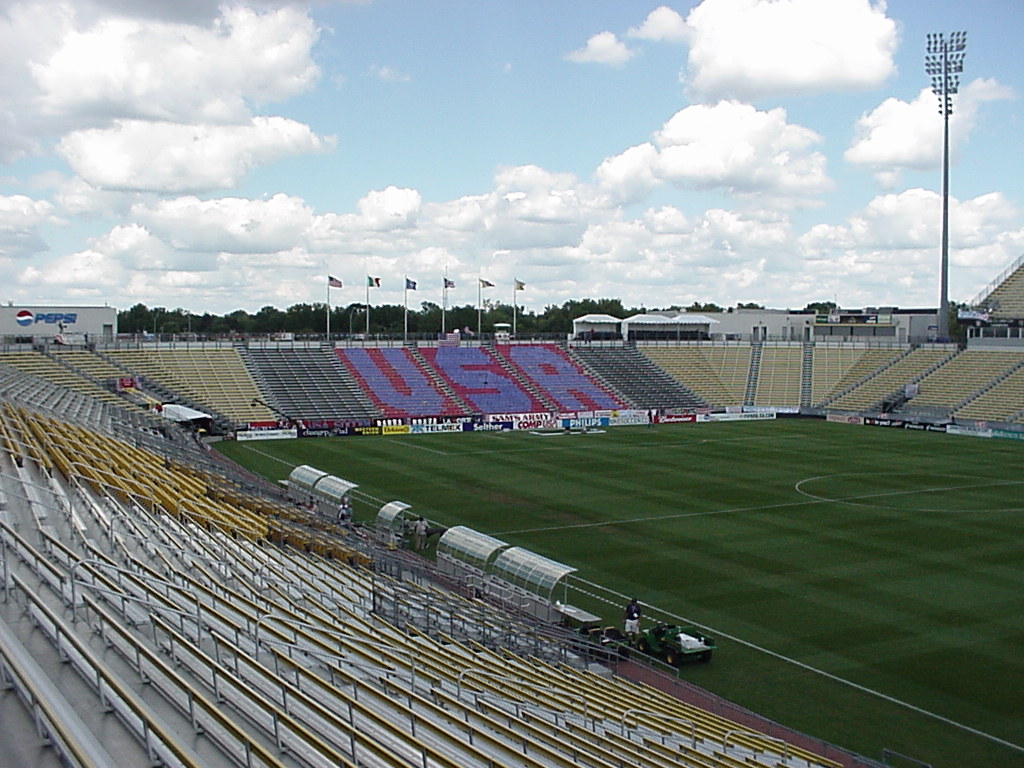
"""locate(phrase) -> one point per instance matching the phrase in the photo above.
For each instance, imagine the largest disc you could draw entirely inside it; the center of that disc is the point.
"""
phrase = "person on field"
(632, 619)
(419, 529)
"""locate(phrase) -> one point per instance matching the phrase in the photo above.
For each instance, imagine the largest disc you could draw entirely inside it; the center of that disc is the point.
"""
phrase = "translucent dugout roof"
(469, 546)
(333, 488)
(530, 571)
(390, 516)
(305, 476)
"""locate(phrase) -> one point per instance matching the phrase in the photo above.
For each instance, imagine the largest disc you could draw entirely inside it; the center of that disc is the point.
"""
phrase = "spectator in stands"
(419, 530)
(632, 622)
(345, 511)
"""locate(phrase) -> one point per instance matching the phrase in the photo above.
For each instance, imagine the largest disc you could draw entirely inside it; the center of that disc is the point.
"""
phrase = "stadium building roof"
(683, 318)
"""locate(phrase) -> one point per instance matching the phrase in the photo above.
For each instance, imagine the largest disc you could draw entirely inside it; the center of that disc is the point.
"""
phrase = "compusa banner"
(524, 420)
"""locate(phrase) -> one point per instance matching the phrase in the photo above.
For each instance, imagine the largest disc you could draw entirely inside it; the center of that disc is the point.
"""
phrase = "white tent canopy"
(596, 326)
(182, 413)
(666, 324)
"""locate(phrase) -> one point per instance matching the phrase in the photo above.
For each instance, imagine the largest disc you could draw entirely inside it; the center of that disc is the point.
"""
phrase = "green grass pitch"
(874, 576)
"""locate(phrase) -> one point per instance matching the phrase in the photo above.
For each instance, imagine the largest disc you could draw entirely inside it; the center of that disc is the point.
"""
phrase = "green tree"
(270, 320)
(707, 307)
(821, 307)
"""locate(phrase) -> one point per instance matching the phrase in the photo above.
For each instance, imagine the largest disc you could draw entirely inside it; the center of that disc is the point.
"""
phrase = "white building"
(871, 325)
(76, 325)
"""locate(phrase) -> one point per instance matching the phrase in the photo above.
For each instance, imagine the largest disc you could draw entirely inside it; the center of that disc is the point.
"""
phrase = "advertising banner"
(430, 429)
(677, 418)
(955, 429)
(735, 416)
(844, 418)
(267, 434)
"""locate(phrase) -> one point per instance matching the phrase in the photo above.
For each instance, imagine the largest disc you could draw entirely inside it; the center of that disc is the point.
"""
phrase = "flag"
(449, 283)
(486, 283)
(520, 285)
(410, 285)
(372, 282)
(334, 282)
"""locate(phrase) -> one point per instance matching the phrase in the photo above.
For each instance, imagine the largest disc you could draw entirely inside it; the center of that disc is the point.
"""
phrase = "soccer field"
(865, 585)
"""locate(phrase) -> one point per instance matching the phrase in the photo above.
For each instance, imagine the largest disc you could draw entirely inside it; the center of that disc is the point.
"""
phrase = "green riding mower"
(676, 645)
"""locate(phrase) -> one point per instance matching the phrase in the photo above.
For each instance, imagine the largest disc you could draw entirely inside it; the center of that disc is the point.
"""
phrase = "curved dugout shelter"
(390, 522)
(469, 546)
(333, 488)
(532, 572)
(305, 477)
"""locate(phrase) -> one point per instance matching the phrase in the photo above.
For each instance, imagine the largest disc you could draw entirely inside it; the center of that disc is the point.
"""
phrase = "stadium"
(829, 501)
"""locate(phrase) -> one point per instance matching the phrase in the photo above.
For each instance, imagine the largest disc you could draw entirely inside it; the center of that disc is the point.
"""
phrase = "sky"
(214, 157)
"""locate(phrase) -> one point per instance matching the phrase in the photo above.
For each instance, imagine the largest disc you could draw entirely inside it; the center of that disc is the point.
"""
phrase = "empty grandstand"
(160, 610)
(308, 382)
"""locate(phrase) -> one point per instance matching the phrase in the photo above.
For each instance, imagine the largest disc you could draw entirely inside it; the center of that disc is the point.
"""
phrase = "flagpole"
(328, 309)
(405, 327)
(479, 305)
(367, 307)
(444, 297)
(515, 305)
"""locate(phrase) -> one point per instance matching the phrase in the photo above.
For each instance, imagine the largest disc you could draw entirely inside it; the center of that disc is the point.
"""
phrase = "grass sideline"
(890, 559)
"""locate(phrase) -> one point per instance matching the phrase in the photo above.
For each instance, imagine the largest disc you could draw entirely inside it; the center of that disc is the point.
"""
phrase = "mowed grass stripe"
(884, 580)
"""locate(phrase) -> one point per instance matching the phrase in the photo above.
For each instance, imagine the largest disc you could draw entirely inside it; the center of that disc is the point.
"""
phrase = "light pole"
(944, 61)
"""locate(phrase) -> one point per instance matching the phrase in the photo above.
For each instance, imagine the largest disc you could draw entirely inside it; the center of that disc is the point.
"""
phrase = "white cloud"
(391, 208)
(630, 176)
(228, 224)
(126, 68)
(891, 246)
(729, 146)
(389, 74)
(750, 48)
(21, 217)
(899, 135)
(173, 157)
(602, 48)
(662, 24)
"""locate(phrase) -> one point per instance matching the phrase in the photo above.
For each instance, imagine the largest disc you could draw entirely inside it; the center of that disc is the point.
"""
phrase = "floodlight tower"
(944, 61)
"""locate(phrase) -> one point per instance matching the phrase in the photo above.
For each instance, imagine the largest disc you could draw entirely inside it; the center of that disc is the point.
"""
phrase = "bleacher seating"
(51, 369)
(891, 379)
(1004, 299)
(1001, 401)
(200, 644)
(397, 384)
(560, 378)
(964, 377)
(718, 373)
(636, 378)
(780, 376)
(308, 383)
(478, 378)
(215, 378)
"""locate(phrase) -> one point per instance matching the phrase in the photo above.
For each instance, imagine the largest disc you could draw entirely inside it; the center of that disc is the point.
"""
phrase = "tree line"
(310, 319)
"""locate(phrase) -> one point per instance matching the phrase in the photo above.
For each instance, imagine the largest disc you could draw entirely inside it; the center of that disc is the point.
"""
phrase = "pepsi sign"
(26, 318)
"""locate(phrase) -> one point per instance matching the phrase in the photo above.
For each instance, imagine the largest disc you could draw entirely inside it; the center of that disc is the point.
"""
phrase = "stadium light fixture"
(944, 61)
